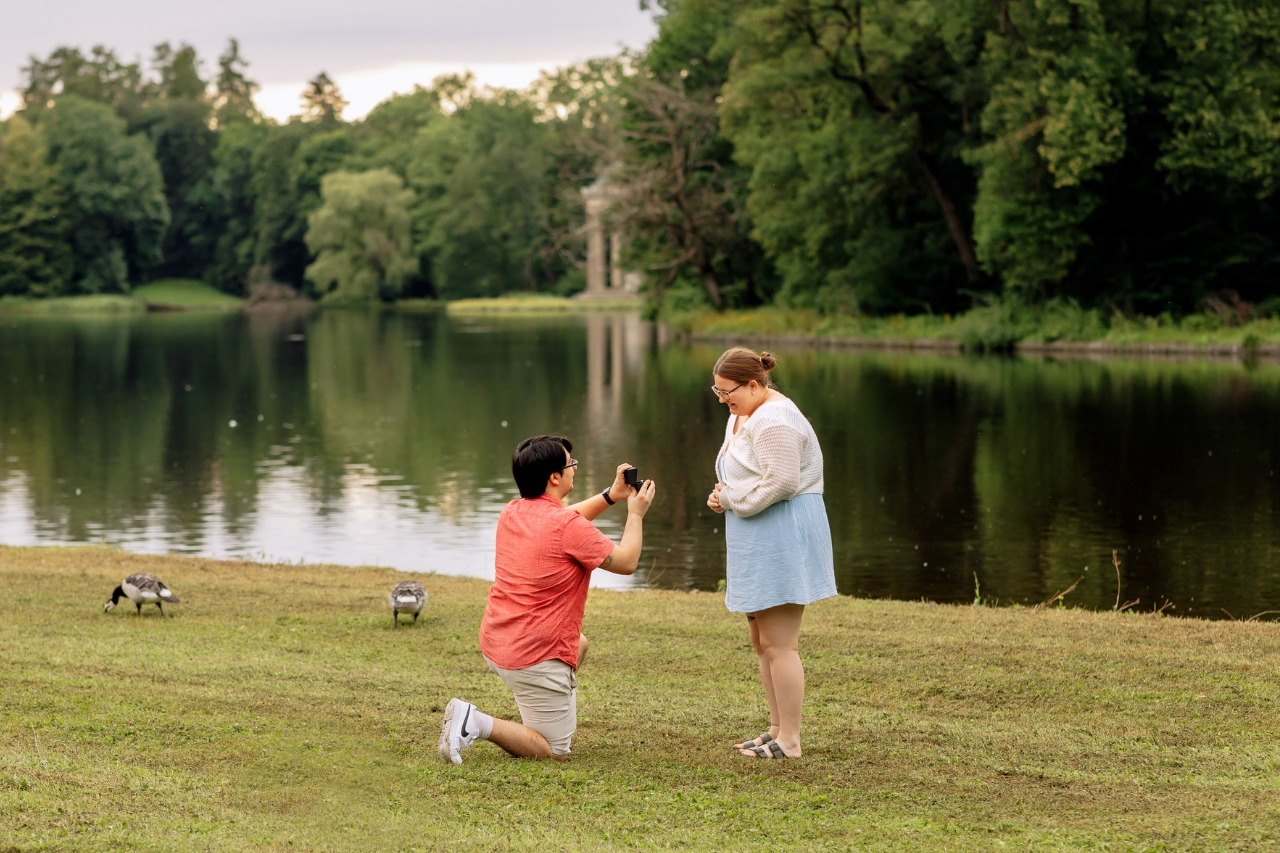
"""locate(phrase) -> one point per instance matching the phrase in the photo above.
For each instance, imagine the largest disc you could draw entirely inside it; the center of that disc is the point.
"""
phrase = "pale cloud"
(388, 43)
(366, 89)
(9, 101)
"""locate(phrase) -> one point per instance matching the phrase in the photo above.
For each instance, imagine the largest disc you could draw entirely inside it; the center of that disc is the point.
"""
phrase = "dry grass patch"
(279, 709)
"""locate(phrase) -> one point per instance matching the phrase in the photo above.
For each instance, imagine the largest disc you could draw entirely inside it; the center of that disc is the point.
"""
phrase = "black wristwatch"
(605, 494)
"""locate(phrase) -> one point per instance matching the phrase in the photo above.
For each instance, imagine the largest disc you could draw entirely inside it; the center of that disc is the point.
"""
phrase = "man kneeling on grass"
(531, 631)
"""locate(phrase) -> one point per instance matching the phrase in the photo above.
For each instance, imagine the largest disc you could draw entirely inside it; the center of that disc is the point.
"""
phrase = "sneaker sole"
(443, 746)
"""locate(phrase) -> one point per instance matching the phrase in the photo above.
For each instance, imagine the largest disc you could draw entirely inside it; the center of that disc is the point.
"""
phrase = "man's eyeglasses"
(723, 394)
(573, 463)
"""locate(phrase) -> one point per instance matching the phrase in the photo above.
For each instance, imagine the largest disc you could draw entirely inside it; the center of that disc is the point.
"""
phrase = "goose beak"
(108, 607)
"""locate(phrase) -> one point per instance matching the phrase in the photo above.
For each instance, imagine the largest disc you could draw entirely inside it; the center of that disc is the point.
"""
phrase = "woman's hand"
(713, 500)
(620, 491)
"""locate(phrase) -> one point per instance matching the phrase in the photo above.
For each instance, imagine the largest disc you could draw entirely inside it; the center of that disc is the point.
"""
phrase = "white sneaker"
(459, 730)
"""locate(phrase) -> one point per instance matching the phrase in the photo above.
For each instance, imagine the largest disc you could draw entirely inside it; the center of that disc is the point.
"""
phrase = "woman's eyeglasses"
(724, 394)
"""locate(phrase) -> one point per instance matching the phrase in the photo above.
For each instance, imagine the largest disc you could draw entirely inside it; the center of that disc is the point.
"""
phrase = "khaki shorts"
(547, 696)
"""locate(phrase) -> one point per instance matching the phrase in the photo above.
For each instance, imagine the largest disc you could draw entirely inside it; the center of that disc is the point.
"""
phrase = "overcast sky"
(371, 47)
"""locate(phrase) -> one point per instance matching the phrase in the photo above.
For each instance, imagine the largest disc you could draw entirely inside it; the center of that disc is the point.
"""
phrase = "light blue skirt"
(779, 556)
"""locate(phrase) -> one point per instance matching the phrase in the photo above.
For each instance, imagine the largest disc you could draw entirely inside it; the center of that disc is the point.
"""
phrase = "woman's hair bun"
(767, 361)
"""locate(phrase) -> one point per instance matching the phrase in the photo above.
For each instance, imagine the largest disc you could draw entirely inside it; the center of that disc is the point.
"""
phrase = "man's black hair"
(535, 460)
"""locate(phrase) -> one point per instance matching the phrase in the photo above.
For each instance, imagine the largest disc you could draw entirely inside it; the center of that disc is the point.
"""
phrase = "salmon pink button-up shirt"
(545, 557)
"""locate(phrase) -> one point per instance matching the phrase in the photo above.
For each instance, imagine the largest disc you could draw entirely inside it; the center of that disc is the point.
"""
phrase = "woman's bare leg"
(765, 678)
(777, 632)
(520, 741)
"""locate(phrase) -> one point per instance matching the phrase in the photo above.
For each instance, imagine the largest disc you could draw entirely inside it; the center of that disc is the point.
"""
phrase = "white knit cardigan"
(774, 457)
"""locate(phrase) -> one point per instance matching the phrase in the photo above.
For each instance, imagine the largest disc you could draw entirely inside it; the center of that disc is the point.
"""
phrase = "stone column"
(616, 279)
(597, 259)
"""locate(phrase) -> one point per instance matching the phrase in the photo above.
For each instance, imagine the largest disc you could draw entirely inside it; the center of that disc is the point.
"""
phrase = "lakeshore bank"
(278, 708)
(1055, 330)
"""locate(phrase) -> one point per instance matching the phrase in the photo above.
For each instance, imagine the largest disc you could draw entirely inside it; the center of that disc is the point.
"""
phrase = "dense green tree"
(1222, 95)
(178, 72)
(385, 137)
(114, 192)
(184, 143)
(1128, 159)
(179, 122)
(684, 193)
(35, 258)
(317, 156)
(483, 179)
(854, 118)
(279, 223)
(579, 105)
(99, 77)
(361, 236)
(671, 186)
(233, 91)
(1059, 82)
(228, 194)
(1109, 152)
(849, 155)
(322, 101)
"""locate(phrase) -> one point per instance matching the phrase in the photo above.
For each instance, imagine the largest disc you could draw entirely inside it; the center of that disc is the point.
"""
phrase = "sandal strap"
(763, 737)
(768, 750)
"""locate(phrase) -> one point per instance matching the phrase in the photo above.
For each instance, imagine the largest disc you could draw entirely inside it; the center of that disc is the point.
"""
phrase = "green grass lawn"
(278, 709)
(534, 303)
(187, 295)
(64, 305)
(174, 294)
(418, 306)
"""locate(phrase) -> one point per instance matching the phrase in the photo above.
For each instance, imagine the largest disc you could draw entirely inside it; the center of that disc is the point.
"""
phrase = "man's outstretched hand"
(620, 491)
(638, 503)
(626, 556)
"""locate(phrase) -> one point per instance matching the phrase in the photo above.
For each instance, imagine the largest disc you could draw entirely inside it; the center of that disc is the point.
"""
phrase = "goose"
(142, 588)
(409, 596)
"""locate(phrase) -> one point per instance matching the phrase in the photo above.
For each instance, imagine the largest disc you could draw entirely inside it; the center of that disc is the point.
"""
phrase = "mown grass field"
(278, 709)
(186, 295)
(24, 306)
(535, 303)
(172, 294)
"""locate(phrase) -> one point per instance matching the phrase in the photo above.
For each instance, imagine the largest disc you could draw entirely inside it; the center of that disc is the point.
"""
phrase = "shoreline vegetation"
(249, 719)
(538, 303)
(1053, 328)
(163, 295)
(176, 295)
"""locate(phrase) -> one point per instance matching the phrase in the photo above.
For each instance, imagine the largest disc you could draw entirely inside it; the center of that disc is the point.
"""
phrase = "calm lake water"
(385, 439)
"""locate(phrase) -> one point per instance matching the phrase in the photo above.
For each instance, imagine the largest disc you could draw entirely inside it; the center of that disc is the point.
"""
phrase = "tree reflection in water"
(384, 437)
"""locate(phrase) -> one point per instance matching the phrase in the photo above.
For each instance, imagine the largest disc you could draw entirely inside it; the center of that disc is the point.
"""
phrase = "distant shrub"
(1268, 308)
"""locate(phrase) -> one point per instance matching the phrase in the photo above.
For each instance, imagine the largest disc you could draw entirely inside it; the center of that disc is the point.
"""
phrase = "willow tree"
(361, 236)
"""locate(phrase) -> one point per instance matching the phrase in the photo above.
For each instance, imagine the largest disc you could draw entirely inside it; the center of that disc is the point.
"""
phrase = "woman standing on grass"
(769, 477)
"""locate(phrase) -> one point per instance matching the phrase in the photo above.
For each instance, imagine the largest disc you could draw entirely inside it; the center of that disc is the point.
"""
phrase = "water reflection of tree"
(1021, 471)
